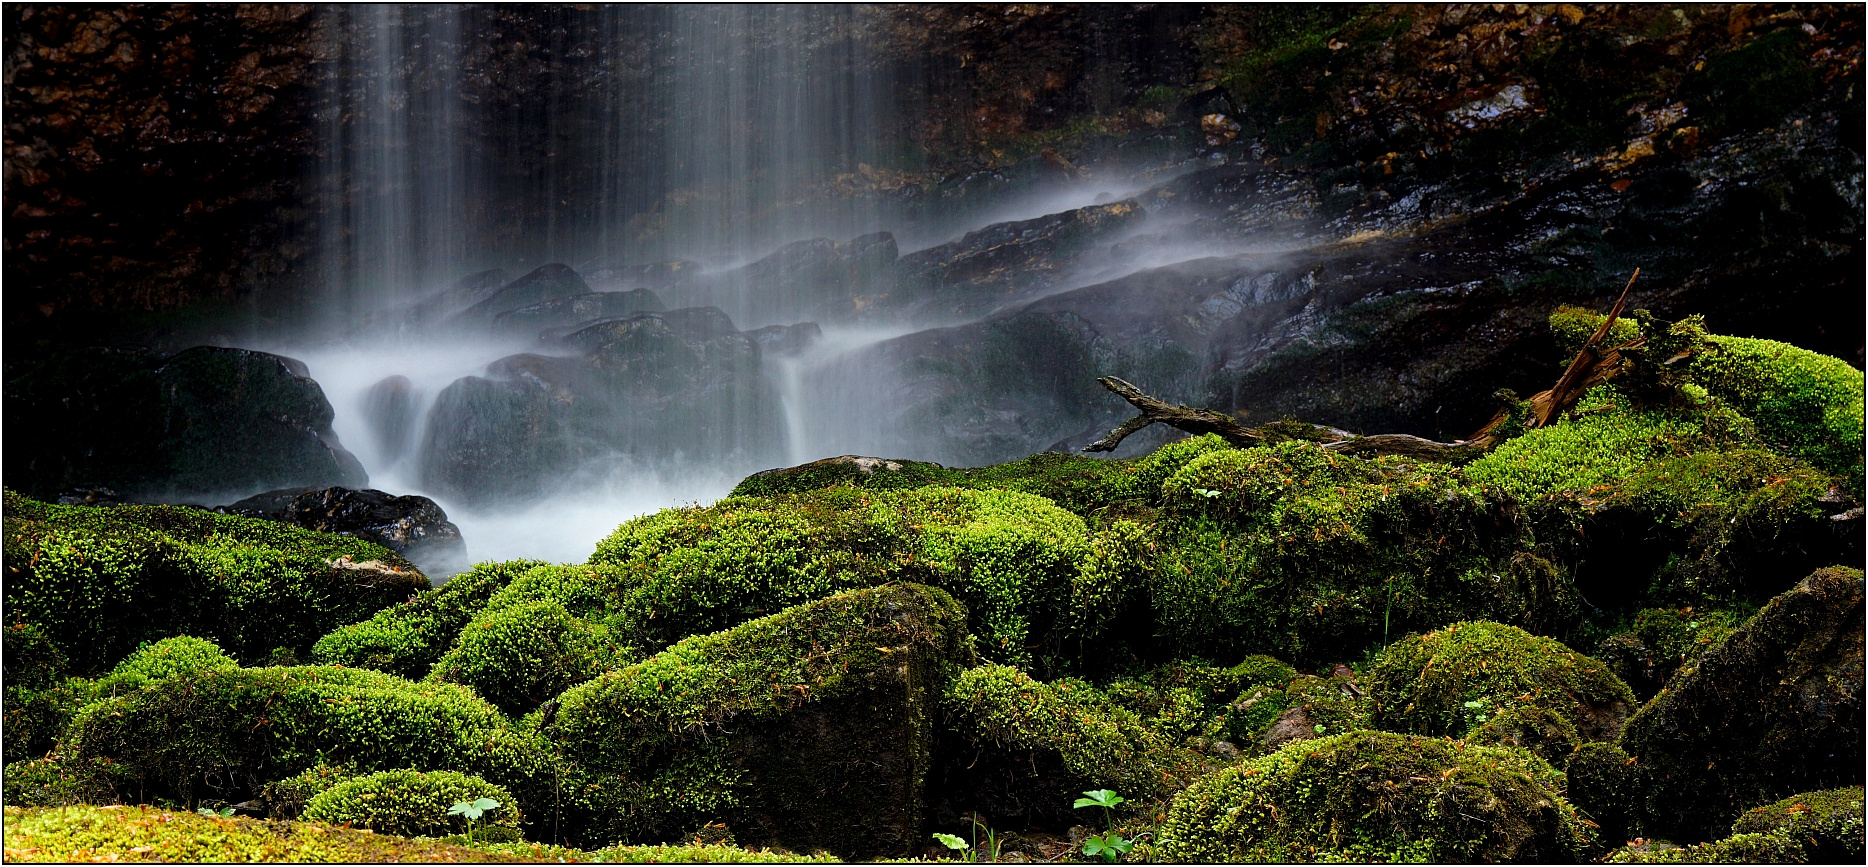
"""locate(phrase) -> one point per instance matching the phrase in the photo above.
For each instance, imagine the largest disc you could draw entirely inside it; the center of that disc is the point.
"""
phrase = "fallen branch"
(1189, 419)
(1591, 367)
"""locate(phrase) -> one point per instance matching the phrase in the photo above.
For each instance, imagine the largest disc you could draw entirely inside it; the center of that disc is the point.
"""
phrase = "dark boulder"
(493, 438)
(464, 293)
(1772, 710)
(389, 409)
(818, 278)
(574, 310)
(199, 425)
(412, 526)
(543, 283)
(651, 385)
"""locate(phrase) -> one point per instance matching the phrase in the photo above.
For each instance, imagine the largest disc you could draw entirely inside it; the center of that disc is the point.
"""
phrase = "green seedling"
(1108, 844)
(223, 812)
(472, 811)
(953, 841)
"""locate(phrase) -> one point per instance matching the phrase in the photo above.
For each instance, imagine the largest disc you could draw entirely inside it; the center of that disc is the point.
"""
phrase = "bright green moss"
(1082, 485)
(180, 836)
(406, 639)
(1374, 796)
(1830, 822)
(756, 725)
(181, 655)
(1806, 404)
(1548, 733)
(702, 854)
(409, 803)
(245, 727)
(521, 655)
(1453, 680)
(286, 799)
(1608, 441)
(1315, 556)
(1572, 326)
(1008, 556)
(101, 580)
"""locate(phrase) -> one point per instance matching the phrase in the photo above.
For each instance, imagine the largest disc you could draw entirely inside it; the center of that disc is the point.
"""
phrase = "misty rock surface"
(199, 425)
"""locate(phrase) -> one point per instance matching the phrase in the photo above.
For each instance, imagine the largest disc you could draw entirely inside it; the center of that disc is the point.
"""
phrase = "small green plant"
(472, 811)
(1108, 844)
(223, 812)
(953, 841)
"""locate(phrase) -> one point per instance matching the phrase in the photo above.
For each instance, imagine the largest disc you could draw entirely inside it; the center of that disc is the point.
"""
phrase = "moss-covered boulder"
(1375, 796)
(1008, 556)
(521, 654)
(1736, 849)
(232, 731)
(1455, 680)
(808, 728)
(1021, 750)
(1314, 556)
(405, 639)
(1829, 823)
(1773, 709)
(1306, 708)
(170, 657)
(1660, 641)
(36, 717)
(1606, 787)
(101, 580)
(53, 782)
(409, 803)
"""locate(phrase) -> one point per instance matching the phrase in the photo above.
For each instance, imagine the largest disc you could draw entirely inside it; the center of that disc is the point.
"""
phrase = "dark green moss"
(36, 717)
(53, 782)
(101, 580)
(286, 799)
(227, 732)
(1828, 822)
(406, 639)
(1605, 786)
(30, 659)
(1454, 680)
(1023, 748)
(1772, 709)
(808, 728)
(1660, 642)
(1316, 556)
(1756, 85)
(1374, 796)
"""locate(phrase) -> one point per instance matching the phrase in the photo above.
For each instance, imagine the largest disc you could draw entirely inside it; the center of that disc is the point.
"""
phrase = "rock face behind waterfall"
(199, 425)
(650, 385)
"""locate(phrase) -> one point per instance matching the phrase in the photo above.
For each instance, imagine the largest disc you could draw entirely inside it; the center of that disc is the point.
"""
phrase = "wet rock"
(574, 310)
(784, 340)
(413, 526)
(651, 385)
(1773, 709)
(489, 439)
(1004, 262)
(1294, 724)
(464, 293)
(830, 471)
(199, 425)
(389, 411)
(818, 279)
(544, 283)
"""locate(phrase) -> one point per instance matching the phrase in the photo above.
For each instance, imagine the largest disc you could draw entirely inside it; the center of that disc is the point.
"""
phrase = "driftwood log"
(1592, 366)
